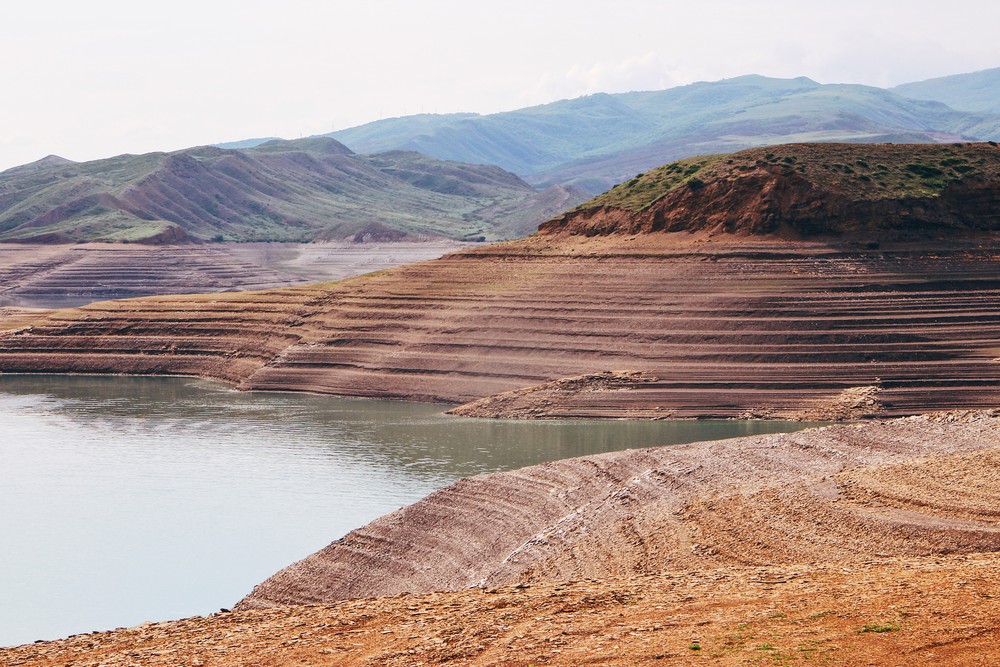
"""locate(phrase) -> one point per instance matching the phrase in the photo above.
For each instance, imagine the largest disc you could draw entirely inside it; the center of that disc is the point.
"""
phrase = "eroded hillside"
(874, 319)
(843, 192)
(303, 190)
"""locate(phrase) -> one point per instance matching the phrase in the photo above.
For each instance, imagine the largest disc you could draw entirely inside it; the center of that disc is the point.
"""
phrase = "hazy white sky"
(92, 79)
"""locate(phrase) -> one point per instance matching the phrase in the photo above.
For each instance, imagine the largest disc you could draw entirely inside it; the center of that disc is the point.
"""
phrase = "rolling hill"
(309, 189)
(596, 141)
(974, 91)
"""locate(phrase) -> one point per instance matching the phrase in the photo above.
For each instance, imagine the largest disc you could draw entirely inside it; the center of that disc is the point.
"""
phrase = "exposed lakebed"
(130, 499)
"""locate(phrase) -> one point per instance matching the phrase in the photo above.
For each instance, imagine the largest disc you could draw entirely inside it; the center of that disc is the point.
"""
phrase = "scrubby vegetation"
(858, 171)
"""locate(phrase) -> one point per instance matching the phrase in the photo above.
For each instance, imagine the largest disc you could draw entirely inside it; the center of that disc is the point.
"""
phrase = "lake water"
(124, 499)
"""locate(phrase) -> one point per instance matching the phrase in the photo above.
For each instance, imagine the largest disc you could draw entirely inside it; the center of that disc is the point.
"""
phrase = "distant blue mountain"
(245, 143)
(596, 141)
(975, 91)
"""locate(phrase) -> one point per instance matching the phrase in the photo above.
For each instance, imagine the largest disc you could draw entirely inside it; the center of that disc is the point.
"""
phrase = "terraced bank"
(81, 273)
(755, 328)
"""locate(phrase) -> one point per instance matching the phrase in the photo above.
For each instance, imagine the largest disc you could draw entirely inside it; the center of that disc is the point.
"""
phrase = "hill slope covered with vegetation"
(309, 189)
(861, 191)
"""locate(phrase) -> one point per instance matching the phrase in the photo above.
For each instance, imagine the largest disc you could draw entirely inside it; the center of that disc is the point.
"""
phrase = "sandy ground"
(875, 544)
(847, 494)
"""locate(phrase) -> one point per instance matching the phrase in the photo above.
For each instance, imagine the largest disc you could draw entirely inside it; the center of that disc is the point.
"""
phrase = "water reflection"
(131, 499)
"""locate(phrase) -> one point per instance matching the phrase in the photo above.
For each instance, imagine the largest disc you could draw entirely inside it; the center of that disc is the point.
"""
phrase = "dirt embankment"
(545, 401)
(551, 399)
(798, 548)
(841, 281)
(844, 494)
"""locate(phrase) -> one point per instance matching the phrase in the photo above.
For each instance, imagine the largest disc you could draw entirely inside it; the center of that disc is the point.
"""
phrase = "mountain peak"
(319, 145)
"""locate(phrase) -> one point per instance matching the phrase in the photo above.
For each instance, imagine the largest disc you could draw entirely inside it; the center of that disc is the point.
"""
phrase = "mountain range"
(974, 91)
(467, 176)
(597, 141)
(303, 190)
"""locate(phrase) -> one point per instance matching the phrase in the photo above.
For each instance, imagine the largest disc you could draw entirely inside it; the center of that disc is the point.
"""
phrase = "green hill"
(309, 189)
(596, 141)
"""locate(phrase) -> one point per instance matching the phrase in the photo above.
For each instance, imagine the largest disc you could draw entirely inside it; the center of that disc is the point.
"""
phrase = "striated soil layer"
(723, 327)
(801, 281)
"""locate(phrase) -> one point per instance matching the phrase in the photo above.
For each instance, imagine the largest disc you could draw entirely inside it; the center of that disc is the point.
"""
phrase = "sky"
(86, 80)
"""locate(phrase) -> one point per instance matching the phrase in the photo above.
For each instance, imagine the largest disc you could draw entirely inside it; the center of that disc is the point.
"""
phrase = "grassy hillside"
(278, 191)
(858, 192)
(862, 172)
(596, 141)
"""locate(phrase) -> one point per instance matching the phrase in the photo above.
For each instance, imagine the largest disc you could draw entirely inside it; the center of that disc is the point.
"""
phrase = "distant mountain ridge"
(597, 141)
(308, 189)
(973, 91)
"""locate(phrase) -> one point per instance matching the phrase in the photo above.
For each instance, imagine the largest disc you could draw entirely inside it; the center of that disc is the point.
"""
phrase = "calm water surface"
(125, 500)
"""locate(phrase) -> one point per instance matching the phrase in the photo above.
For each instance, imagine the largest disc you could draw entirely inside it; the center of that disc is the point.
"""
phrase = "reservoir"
(133, 499)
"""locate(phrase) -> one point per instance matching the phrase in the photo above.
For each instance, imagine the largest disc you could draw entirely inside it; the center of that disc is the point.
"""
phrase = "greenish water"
(129, 499)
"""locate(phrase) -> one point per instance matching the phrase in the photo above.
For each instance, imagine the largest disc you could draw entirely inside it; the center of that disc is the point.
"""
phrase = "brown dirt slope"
(839, 494)
(700, 559)
(914, 611)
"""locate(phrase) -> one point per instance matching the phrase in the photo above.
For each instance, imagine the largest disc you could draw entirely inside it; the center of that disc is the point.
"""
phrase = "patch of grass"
(876, 627)
(924, 170)
(645, 189)
(695, 646)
